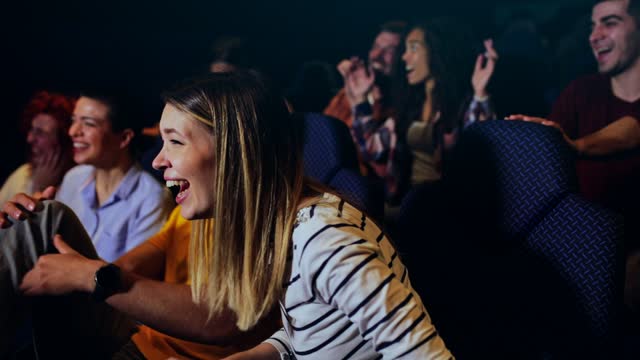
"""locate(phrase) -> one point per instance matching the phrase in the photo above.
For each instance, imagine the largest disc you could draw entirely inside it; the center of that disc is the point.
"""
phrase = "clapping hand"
(483, 70)
(359, 81)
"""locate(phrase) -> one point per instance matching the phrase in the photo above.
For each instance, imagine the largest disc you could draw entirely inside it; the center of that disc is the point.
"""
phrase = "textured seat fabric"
(579, 240)
(533, 169)
(327, 147)
(516, 265)
(330, 158)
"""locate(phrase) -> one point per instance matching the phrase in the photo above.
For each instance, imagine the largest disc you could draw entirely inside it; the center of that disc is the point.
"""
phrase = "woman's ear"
(126, 137)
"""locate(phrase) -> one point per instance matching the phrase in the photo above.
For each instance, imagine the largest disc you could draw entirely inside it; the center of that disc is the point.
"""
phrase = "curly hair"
(59, 106)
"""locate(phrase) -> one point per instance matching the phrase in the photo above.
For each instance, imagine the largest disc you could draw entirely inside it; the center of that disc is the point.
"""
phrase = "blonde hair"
(241, 262)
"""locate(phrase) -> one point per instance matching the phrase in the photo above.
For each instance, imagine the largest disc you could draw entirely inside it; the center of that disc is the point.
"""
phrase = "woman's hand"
(58, 274)
(482, 74)
(21, 206)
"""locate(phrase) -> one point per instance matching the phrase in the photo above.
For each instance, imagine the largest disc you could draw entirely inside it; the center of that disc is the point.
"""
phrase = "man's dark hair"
(633, 9)
(124, 112)
(234, 50)
(396, 27)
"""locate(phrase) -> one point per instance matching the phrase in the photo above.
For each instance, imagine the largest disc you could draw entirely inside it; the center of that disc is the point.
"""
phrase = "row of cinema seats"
(330, 158)
(509, 260)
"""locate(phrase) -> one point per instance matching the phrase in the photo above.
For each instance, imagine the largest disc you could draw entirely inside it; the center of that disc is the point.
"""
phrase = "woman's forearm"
(169, 308)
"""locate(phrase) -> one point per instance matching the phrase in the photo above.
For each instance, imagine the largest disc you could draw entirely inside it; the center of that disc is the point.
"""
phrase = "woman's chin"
(191, 214)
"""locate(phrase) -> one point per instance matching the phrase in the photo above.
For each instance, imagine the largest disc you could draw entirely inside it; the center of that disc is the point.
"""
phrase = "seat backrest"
(541, 265)
(330, 158)
(571, 247)
(328, 147)
(524, 169)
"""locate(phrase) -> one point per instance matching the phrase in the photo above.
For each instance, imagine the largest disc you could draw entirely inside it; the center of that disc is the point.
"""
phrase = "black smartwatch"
(108, 282)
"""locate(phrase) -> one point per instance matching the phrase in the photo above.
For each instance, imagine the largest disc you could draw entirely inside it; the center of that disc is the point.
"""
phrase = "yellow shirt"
(173, 240)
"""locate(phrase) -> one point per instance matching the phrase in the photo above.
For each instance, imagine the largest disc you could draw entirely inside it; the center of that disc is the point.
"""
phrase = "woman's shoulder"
(328, 209)
(330, 220)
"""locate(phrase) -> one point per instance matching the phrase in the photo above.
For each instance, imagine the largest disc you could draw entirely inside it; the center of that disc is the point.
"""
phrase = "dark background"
(146, 46)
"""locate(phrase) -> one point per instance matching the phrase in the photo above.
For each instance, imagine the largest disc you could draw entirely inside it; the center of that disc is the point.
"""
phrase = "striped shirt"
(349, 295)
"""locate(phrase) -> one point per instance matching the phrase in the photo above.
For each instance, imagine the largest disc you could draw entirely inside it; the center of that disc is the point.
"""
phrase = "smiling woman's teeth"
(178, 187)
(171, 183)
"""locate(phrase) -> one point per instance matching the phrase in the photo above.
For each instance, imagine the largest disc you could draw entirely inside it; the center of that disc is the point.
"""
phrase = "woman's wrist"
(87, 282)
(480, 96)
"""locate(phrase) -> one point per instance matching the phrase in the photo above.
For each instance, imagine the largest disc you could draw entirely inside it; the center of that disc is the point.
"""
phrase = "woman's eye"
(176, 142)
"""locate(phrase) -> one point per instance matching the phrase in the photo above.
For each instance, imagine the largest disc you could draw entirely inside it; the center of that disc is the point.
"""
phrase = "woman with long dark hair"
(437, 60)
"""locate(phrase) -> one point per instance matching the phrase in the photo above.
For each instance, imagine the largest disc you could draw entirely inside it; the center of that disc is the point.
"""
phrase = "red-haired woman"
(46, 121)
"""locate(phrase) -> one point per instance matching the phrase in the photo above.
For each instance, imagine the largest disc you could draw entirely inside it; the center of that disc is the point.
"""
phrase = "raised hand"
(483, 70)
(49, 168)
(344, 66)
(359, 82)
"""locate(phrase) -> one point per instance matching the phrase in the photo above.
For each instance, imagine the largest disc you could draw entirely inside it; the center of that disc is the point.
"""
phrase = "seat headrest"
(511, 168)
(328, 147)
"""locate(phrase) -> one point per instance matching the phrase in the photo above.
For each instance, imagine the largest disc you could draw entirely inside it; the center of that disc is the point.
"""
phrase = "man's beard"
(627, 63)
(383, 82)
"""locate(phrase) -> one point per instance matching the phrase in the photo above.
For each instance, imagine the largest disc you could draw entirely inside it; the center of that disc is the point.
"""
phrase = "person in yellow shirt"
(164, 257)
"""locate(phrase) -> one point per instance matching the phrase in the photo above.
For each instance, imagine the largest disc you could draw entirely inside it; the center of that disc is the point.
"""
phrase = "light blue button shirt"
(136, 210)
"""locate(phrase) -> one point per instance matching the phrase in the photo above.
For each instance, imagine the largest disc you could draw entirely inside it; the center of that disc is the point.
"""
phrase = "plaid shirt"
(376, 139)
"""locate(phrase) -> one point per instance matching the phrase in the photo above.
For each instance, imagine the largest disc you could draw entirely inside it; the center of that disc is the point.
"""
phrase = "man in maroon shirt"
(599, 116)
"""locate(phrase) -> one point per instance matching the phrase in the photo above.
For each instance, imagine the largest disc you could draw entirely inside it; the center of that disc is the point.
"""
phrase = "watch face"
(108, 277)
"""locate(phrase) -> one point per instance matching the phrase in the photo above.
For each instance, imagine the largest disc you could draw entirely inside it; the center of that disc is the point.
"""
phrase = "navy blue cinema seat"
(511, 262)
(330, 157)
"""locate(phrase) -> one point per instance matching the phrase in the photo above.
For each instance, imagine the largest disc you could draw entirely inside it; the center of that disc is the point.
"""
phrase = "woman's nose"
(160, 161)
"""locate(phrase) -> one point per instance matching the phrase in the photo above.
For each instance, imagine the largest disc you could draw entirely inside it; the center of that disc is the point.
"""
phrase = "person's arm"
(374, 140)
(621, 135)
(339, 107)
(168, 308)
(480, 108)
(350, 275)
(146, 260)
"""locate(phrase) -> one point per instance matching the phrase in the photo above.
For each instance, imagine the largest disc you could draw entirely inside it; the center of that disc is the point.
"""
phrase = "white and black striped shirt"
(349, 295)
